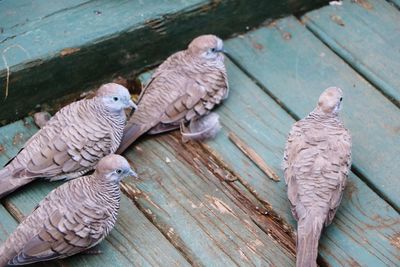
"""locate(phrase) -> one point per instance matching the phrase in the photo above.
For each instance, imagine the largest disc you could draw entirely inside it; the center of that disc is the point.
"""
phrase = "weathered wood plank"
(55, 55)
(14, 14)
(134, 240)
(294, 66)
(378, 56)
(396, 3)
(181, 193)
(7, 224)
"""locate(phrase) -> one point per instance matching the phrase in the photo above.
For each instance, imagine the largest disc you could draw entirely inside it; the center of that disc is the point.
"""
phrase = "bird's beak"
(132, 104)
(132, 173)
(223, 50)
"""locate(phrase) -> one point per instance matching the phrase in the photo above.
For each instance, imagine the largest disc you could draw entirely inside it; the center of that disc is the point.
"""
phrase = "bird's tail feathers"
(308, 233)
(8, 183)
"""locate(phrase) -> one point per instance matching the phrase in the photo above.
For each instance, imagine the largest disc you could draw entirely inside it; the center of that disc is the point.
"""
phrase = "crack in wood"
(261, 213)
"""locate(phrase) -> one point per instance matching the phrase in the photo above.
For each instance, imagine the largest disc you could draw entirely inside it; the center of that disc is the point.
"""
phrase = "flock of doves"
(89, 134)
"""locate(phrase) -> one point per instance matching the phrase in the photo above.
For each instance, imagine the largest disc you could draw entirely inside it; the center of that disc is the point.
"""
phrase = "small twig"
(251, 154)
(6, 64)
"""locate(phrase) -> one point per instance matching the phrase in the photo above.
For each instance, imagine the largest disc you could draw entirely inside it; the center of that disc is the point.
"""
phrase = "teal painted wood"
(104, 39)
(365, 225)
(179, 191)
(14, 14)
(295, 67)
(368, 38)
(101, 15)
(396, 3)
(133, 241)
(7, 224)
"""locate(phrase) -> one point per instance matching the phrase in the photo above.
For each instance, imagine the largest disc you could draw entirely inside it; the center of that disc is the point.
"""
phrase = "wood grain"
(369, 40)
(251, 154)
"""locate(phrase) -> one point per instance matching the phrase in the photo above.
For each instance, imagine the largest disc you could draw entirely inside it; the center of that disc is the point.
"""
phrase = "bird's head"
(330, 101)
(208, 47)
(115, 97)
(114, 168)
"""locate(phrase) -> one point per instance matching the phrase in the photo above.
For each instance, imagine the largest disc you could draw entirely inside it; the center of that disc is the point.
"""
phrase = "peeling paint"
(68, 51)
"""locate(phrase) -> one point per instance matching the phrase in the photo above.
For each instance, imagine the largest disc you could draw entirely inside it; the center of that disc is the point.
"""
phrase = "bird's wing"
(63, 233)
(75, 145)
(293, 145)
(340, 164)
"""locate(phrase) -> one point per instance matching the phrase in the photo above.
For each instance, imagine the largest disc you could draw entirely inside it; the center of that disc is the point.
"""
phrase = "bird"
(185, 87)
(72, 218)
(316, 164)
(72, 142)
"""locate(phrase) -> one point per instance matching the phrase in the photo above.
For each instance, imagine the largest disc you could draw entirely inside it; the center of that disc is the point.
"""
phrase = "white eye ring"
(118, 171)
(115, 98)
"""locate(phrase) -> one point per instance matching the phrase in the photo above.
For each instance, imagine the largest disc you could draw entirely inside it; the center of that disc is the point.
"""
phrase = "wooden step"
(366, 34)
(50, 50)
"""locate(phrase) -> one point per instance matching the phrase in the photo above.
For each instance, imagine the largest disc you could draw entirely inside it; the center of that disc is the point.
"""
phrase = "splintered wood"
(251, 154)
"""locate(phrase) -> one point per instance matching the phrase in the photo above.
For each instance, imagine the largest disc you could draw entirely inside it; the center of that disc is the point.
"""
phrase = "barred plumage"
(72, 142)
(72, 218)
(316, 165)
(184, 88)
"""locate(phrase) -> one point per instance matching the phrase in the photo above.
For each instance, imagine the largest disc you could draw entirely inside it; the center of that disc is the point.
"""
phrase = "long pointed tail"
(308, 234)
(8, 184)
(131, 133)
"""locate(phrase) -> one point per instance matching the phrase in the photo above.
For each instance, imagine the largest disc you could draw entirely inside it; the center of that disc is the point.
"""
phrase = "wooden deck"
(208, 204)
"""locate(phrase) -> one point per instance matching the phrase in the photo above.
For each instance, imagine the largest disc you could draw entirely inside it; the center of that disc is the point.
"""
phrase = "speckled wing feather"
(316, 157)
(72, 141)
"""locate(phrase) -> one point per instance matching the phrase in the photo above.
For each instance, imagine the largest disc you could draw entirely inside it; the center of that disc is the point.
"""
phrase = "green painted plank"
(378, 56)
(365, 225)
(130, 35)
(396, 3)
(7, 224)
(181, 194)
(14, 14)
(294, 66)
(134, 240)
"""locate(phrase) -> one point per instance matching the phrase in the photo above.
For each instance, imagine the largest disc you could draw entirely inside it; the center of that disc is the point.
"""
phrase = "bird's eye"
(118, 171)
(213, 50)
(341, 99)
(115, 98)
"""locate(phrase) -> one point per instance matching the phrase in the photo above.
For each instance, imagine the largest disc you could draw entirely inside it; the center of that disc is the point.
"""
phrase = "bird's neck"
(108, 190)
(320, 116)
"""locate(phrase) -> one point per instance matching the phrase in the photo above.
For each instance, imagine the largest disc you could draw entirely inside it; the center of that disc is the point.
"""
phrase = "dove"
(185, 87)
(316, 164)
(72, 141)
(72, 218)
